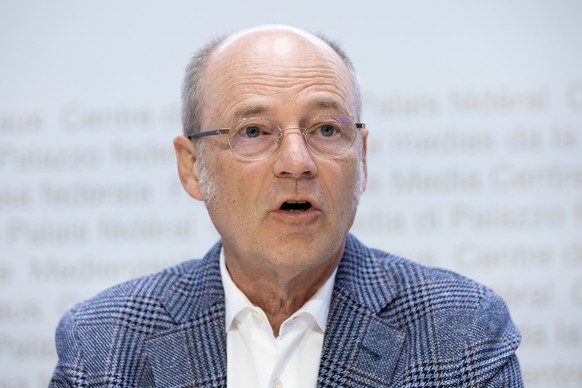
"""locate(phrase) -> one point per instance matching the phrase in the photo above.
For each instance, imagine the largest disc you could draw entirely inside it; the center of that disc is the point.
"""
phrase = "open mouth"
(295, 206)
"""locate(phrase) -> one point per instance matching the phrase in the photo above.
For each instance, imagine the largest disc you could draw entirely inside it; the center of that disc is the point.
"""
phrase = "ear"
(364, 156)
(188, 166)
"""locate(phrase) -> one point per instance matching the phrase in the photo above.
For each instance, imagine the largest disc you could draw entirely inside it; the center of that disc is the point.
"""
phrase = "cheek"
(240, 186)
(341, 180)
(353, 184)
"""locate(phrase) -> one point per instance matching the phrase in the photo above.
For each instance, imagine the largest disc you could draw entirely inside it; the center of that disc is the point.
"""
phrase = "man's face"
(287, 78)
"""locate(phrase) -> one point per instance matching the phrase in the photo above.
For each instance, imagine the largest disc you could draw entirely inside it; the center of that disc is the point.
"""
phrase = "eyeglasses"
(257, 138)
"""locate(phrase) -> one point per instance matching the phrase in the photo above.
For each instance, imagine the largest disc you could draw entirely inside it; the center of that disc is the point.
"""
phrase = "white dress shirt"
(256, 358)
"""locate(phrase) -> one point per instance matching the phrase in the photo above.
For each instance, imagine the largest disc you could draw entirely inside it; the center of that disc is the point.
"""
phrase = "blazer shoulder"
(451, 320)
(101, 341)
(376, 278)
(437, 289)
(144, 290)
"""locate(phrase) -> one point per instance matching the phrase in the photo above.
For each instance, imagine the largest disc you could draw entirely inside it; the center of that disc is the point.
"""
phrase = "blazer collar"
(363, 279)
(197, 288)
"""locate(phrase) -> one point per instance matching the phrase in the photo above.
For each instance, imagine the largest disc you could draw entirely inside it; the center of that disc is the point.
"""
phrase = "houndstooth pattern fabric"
(392, 323)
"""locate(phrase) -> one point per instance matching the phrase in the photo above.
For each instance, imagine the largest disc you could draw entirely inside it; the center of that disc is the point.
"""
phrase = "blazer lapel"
(361, 346)
(193, 352)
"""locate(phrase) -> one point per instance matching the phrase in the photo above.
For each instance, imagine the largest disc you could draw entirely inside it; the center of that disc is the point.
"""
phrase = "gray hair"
(349, 64)
(192, 88)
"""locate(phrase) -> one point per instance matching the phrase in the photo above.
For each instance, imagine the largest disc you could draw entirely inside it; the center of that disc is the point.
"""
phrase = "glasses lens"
(254, 138)
(331, 134)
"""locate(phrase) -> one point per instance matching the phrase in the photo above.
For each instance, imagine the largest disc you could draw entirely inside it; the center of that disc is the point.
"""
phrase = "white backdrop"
(475, 117)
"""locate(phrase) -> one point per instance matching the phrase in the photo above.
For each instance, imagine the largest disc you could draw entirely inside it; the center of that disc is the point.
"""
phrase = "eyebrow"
(250, 111)
(327, 103)
(257, 110)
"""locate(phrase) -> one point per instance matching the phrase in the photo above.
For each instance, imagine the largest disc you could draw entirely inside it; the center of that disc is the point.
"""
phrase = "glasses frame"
(226, 131)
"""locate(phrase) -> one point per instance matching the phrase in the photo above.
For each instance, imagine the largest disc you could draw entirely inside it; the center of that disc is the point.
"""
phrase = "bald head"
(245, 55)
(267, 35)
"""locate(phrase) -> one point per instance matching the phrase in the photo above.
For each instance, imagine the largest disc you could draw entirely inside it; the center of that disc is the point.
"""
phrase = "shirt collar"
(236, 301)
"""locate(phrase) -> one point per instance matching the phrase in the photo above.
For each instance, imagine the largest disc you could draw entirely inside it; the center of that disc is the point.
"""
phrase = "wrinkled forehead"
(250, 56)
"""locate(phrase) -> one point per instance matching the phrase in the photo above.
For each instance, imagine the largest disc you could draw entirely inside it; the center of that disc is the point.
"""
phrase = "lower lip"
(297, 217)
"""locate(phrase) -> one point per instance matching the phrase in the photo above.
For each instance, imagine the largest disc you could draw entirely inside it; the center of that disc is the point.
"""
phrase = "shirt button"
(277, 384)
(256, 317)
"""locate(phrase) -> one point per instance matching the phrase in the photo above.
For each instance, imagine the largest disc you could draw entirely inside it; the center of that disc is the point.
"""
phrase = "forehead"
(275, 69)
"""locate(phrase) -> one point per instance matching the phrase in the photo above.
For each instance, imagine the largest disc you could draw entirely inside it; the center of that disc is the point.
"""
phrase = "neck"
(279, 293)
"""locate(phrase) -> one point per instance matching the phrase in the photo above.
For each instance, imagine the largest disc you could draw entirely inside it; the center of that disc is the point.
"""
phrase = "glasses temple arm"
(207, 133)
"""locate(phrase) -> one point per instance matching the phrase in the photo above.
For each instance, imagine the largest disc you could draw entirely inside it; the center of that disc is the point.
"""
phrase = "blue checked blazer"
(392, 323)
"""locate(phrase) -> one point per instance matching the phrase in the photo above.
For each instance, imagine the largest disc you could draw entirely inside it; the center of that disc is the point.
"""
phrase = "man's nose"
(293, 158)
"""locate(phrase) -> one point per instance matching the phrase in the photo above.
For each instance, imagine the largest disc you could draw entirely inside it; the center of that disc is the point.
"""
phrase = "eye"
(251, 132)
(327, 130)
(254, 129)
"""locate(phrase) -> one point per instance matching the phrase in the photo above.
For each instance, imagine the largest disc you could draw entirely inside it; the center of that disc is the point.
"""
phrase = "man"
(288, 298)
